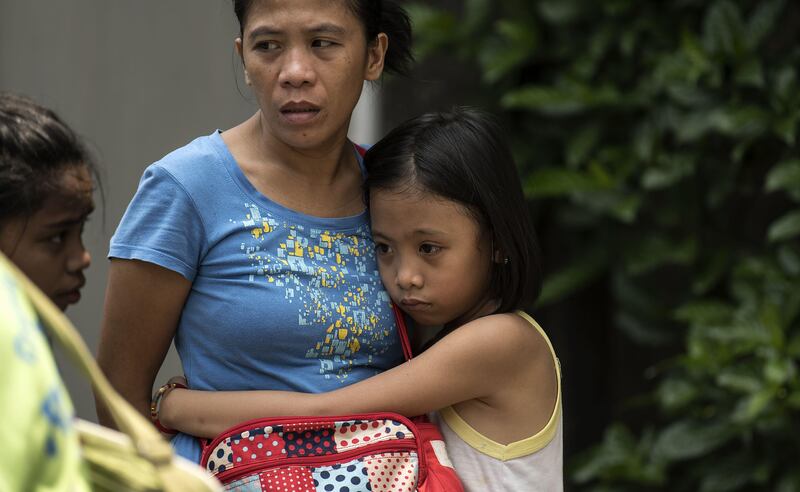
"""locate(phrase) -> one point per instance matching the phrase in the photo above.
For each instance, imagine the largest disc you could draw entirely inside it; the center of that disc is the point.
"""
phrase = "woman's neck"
(324, 181)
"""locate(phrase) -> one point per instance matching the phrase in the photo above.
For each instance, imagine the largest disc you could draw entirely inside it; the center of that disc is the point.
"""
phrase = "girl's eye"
(381, 248)
(56, 239)
(429, 249)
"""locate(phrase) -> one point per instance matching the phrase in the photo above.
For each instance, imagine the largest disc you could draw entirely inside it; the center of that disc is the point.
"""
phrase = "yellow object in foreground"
(135, 459)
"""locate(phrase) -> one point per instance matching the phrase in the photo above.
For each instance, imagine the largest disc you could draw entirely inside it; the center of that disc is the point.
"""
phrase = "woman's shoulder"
(194, 166)
(201, 153)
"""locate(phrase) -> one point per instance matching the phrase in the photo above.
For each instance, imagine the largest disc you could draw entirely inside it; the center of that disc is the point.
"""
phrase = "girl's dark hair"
(35, 146)
(377, 16)
(461, 155)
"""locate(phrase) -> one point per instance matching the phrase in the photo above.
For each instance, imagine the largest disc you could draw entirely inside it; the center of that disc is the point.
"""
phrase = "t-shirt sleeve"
(161, 225)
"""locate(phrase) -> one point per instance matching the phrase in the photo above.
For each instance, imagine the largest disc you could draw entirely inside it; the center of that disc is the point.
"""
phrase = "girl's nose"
(79, 259)
(409, 278)
(297, 69)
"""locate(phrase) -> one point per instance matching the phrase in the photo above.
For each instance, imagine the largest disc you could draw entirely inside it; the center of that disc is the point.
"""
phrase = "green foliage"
(661, 138)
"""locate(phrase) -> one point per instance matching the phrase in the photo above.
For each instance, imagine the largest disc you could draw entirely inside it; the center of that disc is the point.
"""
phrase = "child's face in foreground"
(47, 246)
(434, 260)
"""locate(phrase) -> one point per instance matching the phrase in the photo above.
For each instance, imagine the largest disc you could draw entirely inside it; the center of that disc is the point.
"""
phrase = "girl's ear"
(376, 55)
(499, 258)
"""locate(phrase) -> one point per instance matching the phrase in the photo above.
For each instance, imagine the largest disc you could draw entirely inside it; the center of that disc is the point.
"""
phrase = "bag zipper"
(337, 458)
(283, 421)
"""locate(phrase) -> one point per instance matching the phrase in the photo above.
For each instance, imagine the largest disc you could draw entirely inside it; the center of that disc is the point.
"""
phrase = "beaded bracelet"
(155, 405)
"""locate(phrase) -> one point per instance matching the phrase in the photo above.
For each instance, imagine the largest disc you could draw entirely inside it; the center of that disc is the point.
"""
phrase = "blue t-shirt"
(279, 300)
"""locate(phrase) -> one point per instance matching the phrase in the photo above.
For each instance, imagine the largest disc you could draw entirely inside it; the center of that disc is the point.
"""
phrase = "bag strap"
(403, 332)
(148, 443)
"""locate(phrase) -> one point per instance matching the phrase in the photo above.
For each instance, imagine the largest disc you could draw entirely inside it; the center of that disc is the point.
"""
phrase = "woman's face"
(306, 61)
(47, 246)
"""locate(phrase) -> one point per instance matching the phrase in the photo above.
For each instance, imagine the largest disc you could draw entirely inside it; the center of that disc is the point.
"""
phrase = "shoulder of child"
(507, 338)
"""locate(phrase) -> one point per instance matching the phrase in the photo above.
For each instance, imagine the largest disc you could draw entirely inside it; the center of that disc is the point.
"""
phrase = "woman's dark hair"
(377, 16)
(461, 155)
(35, 147)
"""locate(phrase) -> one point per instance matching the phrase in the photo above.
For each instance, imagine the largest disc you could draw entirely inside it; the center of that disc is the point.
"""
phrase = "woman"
(251, 246)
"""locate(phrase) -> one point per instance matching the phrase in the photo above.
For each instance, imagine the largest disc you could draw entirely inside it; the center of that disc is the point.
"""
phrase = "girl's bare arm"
(475, 361)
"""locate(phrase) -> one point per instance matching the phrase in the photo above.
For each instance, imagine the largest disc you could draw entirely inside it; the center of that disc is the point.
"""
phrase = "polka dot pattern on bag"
(293, 479)
(356, 434)
(317, 442)
(395, 472)
(257, 447)
(347, 477)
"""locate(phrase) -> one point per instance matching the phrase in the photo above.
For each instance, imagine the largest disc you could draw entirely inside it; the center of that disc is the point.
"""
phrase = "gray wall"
(136, 79)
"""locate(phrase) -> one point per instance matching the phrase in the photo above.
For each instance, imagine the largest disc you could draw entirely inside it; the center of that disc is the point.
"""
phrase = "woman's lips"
(299, 113)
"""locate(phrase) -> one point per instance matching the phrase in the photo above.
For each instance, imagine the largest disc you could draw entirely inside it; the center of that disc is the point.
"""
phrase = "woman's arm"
(142, 308)
(475, 361)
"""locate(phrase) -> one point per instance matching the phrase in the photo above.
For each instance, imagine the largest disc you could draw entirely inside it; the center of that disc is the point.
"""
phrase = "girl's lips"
(414, 304)
(70, 297)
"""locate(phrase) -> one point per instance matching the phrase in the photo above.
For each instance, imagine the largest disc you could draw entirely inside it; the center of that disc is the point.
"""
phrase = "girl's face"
(434, 259)
(47, 246)
(306, 61)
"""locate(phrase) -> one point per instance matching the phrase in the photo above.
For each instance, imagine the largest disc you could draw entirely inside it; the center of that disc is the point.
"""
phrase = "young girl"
(45, 196)
(46, 185)
(455, 249)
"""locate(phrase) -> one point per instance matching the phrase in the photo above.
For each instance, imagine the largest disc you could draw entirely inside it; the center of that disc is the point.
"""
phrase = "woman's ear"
(376, 55)
(238, 45)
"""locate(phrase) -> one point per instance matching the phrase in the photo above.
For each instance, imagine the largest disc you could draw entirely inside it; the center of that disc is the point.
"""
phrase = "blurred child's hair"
(462, 156)
(35, 148)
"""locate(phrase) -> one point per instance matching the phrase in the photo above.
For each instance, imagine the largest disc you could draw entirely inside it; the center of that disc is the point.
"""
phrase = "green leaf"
(742, 121)
(581, 145)
(786, 227)
(694, 52)
(572, 278)
(789, 260)
(739, 380)
(675, 394)
(555, 181)
(778, 371)
(749, 408)
(728, 475)
(784, 176)
(655, 251)
(671, 169)
(477, 13)
(762, 20)
(750, 73)
(513, 46)
(705, 312)
(436, 27)
(723, 31)
(562, 100)
(559, 11)
(688, 439)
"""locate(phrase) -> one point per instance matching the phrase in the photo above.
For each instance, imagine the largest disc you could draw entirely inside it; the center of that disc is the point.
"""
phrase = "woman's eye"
(429, 249)
(267, 45)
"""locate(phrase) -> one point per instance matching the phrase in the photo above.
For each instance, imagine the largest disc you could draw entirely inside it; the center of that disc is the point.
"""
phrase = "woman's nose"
(297, 69)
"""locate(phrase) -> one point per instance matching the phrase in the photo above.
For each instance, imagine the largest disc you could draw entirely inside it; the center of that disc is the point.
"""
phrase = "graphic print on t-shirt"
(331, 277)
